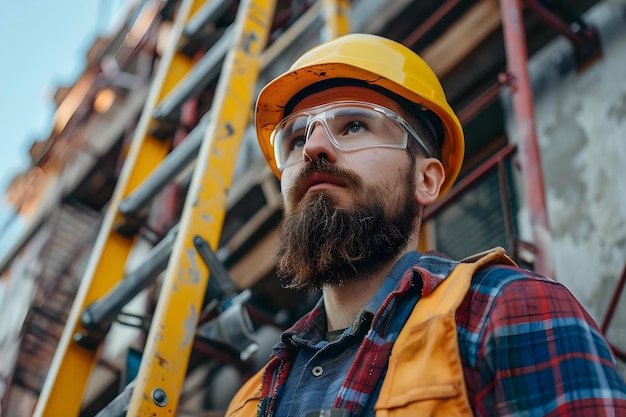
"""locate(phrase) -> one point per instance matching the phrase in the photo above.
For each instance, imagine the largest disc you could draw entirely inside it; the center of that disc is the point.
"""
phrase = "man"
(362, 138)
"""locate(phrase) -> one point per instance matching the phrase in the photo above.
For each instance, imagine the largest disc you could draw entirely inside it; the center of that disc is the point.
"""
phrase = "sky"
(43, 45)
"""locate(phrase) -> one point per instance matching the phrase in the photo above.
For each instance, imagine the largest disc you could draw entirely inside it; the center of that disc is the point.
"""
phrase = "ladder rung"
(134, 206)
(203, 18)
(205, 70)
(99, 315)
(220, 286)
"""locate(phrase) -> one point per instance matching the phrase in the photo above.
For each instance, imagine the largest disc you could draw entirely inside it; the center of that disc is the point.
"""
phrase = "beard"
(323, 245)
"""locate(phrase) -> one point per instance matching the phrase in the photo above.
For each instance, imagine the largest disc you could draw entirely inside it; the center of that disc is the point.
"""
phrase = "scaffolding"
(181, 138)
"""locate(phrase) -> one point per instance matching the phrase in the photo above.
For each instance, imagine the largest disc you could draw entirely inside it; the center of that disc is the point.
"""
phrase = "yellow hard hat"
(377, 61)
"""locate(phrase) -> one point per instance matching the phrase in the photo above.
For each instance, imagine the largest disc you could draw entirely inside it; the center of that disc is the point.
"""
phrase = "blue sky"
(43, 45)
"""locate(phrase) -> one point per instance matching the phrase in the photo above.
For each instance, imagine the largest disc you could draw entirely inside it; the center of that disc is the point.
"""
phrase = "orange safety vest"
(425, 373)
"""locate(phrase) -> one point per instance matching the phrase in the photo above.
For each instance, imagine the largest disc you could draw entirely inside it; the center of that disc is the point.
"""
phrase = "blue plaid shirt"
(304, 391)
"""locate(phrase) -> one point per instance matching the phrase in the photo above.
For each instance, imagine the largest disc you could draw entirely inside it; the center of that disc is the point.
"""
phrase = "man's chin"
(338, 199)
(315, 283)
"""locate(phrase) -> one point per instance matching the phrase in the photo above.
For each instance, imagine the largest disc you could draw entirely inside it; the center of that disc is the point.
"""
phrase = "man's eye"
(297, 143)
(356, 126)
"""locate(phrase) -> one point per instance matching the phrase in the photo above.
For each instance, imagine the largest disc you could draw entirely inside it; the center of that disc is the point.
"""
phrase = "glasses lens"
(289, 137)
(357, 127)
(351, 126)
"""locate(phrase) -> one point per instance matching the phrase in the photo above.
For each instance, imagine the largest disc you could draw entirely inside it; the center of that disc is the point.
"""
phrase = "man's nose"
(318, 144)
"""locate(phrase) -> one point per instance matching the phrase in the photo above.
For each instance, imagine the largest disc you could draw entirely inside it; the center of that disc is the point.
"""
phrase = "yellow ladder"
(161, 375)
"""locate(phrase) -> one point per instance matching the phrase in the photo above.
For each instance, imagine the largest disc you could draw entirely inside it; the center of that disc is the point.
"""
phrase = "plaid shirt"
(528, 347)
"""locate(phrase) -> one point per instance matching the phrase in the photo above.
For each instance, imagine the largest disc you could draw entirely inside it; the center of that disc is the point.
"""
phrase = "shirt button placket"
(317, 371)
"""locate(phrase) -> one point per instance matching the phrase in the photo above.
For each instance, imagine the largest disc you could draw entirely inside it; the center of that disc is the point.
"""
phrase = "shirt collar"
(312, 327)
(431, 267)
(392, 282)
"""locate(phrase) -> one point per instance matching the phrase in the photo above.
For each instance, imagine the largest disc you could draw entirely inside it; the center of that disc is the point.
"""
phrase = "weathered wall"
(581, 128)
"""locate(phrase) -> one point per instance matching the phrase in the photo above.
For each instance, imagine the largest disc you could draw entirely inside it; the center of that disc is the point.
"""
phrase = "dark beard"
(323, 245)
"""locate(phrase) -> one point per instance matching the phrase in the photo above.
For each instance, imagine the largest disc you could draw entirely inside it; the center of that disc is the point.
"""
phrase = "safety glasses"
(349, 125)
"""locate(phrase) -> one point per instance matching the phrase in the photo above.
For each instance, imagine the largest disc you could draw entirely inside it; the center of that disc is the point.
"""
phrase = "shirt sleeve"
(543, 355)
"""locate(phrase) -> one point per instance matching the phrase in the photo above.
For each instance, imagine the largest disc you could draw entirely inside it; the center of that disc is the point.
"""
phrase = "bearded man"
(362, 138)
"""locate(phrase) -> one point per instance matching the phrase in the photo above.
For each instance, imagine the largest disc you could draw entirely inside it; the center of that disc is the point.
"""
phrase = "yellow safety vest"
(425, 373)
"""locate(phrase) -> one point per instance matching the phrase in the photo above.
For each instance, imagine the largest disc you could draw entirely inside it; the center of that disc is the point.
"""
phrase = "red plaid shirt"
(527, 346)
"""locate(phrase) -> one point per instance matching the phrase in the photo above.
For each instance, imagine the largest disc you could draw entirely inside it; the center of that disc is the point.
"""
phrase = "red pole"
(431, 21)
(556, 23)
(529, 156)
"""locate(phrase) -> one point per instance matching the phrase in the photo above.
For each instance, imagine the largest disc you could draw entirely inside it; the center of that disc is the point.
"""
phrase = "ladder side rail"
(72, 364)
(207, 15)
(170, 339)
(336, 18)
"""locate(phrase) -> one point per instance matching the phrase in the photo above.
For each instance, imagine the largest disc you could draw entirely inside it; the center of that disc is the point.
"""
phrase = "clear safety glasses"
(349, 125)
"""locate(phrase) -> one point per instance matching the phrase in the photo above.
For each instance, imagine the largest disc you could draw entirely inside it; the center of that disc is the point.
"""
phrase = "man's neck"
(343, 304)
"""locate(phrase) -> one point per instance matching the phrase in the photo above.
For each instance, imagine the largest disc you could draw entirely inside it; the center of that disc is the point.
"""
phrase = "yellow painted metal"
(336, 16)
(71, 367)
(166, 354)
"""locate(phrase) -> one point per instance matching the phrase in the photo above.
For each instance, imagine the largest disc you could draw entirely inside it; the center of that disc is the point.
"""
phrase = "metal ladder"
(186, 253)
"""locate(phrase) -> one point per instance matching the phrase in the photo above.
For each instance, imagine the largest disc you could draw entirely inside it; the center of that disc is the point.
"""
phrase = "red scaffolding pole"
(529, 156)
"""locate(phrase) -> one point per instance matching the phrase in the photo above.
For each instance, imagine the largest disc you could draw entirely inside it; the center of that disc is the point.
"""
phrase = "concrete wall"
(581, 128)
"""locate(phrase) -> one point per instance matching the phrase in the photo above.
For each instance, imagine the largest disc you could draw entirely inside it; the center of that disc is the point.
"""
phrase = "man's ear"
(429, 174)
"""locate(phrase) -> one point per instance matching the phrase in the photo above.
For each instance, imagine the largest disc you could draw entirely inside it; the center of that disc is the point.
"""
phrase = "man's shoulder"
(505, 295)
(493, 267)
(496, 277)
(507, 298)
(436, 262)
(505, 290)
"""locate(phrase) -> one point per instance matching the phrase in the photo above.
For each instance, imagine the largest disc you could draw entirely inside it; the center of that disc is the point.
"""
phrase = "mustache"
(323, 166)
